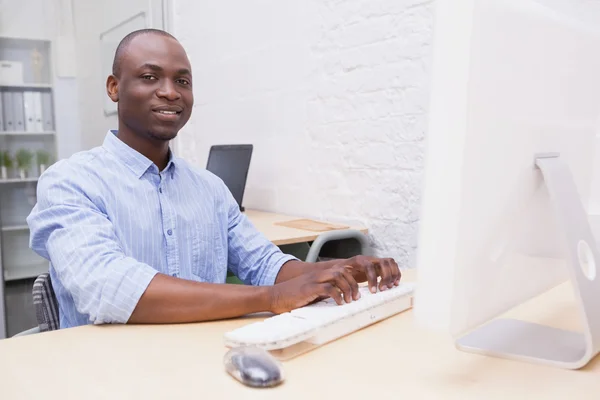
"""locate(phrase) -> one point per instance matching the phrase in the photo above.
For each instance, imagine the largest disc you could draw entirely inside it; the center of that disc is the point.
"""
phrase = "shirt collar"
(136, 161)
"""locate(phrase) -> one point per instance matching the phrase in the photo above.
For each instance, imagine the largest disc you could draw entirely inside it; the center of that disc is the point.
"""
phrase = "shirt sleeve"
(79, 240)
(252, 257)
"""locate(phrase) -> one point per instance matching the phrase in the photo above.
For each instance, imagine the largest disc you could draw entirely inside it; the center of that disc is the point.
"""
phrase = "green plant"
(24, 158)
(43, 157)
(5, 159)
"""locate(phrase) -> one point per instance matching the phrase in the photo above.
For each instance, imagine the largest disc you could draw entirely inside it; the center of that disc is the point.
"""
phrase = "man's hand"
(339, 281)
(364, 268)
(336, 282)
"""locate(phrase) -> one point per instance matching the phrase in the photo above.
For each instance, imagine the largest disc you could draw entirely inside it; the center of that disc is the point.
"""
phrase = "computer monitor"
(231, 163)
(514, 113)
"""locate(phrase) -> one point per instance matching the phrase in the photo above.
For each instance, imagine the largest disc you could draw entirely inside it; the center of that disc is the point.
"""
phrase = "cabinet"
(27, 147)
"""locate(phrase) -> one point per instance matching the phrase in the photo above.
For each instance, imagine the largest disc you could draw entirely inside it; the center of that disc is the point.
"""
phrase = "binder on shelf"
(48, 119)
(29, 106)
(37, 103)
(7, 102)
(18, 111)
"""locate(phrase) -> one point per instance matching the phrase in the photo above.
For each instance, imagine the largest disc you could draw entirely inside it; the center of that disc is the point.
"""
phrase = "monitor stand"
(526, 341)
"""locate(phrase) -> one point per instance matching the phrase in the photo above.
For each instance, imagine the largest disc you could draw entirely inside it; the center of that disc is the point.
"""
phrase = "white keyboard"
(324, 321)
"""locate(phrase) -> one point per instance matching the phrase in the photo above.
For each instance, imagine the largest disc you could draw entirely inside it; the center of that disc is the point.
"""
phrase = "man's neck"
(156, 151)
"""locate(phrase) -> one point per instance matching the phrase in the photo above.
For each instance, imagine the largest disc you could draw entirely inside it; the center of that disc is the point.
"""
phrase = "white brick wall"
(332, 93)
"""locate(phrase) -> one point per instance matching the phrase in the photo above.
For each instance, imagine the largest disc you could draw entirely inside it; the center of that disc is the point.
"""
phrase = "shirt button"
(160, 190)
(170, 232)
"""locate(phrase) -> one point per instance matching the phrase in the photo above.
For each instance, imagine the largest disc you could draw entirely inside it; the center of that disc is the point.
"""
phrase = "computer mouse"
(253, 366)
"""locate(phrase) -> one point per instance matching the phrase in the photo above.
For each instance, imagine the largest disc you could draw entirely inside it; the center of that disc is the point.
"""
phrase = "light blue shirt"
(108, 221)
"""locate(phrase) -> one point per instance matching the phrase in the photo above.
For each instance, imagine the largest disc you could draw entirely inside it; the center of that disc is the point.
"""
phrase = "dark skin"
(154, 93)
(154, 79)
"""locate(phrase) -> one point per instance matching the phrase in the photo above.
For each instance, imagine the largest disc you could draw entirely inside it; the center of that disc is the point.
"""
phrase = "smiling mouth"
(167, 116)
(164, 112)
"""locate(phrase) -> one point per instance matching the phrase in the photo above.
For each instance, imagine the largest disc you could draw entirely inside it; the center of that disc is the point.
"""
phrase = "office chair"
(46, 306)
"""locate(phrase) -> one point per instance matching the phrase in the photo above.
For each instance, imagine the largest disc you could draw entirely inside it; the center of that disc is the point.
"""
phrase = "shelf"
(18, 180)
(25, 272)
(28, 86)
(15, 228)
(23, 133)
(20, 265)
(26, 39)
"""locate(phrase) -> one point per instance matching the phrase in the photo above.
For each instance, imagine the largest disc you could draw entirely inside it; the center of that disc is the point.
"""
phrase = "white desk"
(282, 235)
(393, 359)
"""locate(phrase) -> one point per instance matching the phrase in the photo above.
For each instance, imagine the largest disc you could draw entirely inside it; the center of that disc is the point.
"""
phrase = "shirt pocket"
(207, 253)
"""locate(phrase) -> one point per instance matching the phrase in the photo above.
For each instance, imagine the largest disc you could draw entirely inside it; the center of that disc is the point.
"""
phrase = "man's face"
(155, 87)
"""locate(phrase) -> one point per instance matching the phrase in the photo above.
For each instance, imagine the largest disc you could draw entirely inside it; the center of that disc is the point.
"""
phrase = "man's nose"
(168, 90)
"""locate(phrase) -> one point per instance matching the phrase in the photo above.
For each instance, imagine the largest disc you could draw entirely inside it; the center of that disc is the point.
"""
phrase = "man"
(136, 235)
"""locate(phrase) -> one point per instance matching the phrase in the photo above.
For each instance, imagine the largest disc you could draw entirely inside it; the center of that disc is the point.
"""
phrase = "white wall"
(92, 19)
(88, 16)
(27, 18)
(333, 94)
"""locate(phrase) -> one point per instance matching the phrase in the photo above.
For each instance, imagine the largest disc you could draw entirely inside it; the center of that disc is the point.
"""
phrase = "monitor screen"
(231, 164)
(512, 80)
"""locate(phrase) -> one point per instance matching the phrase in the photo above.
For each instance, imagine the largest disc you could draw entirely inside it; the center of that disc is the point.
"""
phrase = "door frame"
(168, 26)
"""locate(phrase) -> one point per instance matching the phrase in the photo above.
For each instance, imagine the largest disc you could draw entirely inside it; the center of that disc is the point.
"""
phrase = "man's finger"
(386, 275)
(339, 280)
(371, 272)
(393, 270)
(396, 273)
(353, 284)
(393, 267)
(332, 291)
(340, 277)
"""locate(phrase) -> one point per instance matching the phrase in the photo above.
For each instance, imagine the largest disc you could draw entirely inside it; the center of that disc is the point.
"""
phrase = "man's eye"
(149, 77)
(183, 81)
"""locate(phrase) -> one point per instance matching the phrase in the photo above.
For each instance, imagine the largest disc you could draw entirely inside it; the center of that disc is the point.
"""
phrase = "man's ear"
(112, 88)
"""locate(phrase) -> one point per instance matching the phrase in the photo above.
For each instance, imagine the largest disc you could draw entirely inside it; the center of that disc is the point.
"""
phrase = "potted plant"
(23, 158)
(6, 163)
(43, 160)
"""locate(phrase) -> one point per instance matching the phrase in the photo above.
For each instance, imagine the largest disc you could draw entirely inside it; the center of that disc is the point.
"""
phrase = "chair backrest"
(46, 305)
(231, 163)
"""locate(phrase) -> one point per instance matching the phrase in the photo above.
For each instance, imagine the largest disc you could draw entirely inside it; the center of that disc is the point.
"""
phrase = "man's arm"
(70, 230)
(174, 300)
(73, 232)
(294, 268)
(251, 257)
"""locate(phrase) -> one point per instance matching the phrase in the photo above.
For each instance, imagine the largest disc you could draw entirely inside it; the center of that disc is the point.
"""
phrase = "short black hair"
(122, 47)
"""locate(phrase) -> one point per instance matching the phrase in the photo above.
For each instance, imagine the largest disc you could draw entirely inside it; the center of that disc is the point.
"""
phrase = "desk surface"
(393, 359)
(280, 235)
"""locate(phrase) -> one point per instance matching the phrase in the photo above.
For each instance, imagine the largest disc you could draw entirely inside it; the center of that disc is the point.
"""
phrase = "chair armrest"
(315, 248)
(28, 332)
